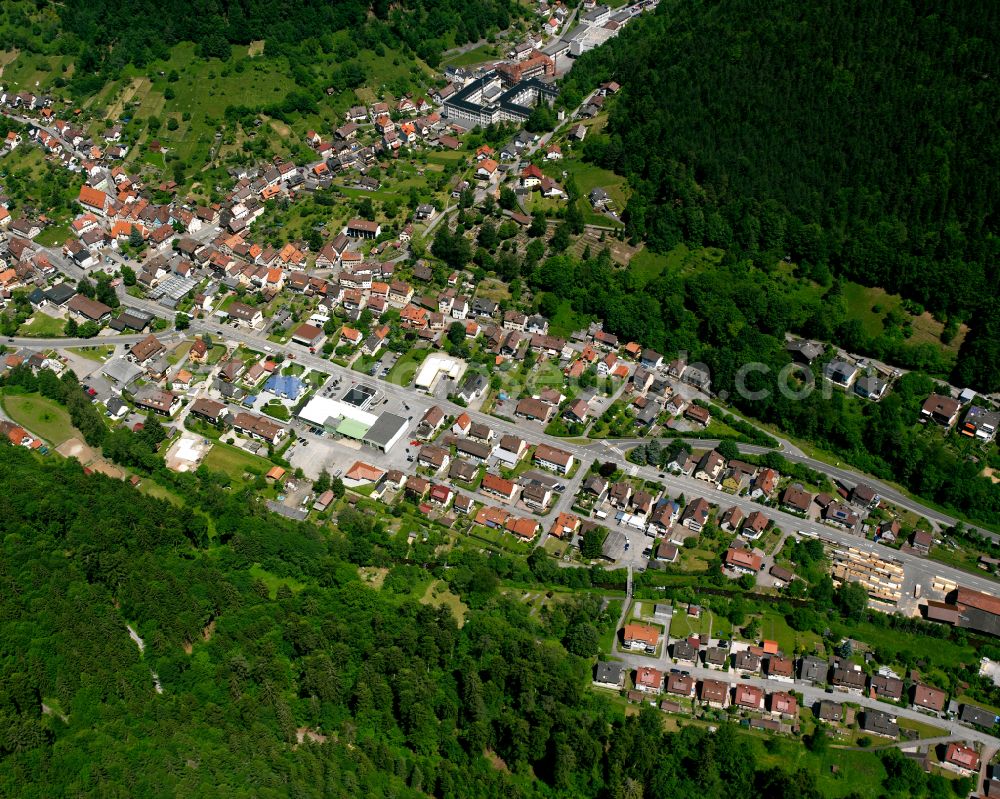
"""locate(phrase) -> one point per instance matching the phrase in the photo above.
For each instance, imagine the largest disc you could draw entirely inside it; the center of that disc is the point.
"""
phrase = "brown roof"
(535, 409)
(87, 307)
(714, 691)
(749, 695)
(649, 677)
(680, 684)
(941, 406)
(783, 667)
(543, 452)
(147, 348)
(362, 224)
(978, 600)
(796, 498)
(258, 425)
(929, 697)
(784, 703)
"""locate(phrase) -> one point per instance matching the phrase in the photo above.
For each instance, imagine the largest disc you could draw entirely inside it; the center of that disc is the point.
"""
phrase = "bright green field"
(857, 772)
(234, 462)
(476, 55)
(41, 325)
(566, 320)
(41, 416)
(588, 177)
(682, 625)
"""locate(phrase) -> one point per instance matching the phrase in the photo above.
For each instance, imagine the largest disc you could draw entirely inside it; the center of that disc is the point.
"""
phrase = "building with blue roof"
(284, 386)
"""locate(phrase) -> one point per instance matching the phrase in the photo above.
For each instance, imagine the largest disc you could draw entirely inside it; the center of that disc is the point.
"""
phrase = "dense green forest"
(855, 137)
(315, 683)
(388, 696)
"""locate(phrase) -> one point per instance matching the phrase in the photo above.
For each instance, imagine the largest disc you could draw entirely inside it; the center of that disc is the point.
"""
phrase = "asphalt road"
(918, 570)
(812, 694)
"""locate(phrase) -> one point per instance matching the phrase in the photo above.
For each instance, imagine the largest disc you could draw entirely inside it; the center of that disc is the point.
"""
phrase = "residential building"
(714, 693)
(640, 637)
(940, 409)
(963, 759)
(880, 723)
(609, 675)
(648, 680)
(928, 697)
(748, 697)
(553, 458)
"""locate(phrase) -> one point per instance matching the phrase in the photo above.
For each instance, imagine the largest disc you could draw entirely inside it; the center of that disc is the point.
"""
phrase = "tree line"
(803, 131)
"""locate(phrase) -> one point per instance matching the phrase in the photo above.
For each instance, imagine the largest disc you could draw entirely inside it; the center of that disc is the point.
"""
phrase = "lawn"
(151, 488)
(923, 729)
(947, 655)
(277, 410)
(588, 177)
(234, 462)
(477, 55)
(41, 416)
(99, 352)
(53, 236)
(405, 369)
(773, 627)
(870, 306)
(646, 266)
(41, 325)
(708, 624)
(696, 560)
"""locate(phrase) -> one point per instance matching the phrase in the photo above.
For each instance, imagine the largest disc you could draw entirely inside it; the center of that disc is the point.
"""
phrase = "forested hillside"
(390, 697)
(854, 136)
(108, 34)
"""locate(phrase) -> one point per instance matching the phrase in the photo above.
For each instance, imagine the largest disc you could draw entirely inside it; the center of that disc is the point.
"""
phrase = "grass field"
(773, 627)
(566, 320)
(923, 729)
(681, 260)
(154, 489)
(647, 266)
(41, 325)
(870, 306)
(234, 462)
(405, 369)
(695, 560)
(857, 772)
(588, 177)
(273, 582)
(682, 625)
(99, 352)
(41, 416)
(437, 593)
(53, 236)
(477, 55)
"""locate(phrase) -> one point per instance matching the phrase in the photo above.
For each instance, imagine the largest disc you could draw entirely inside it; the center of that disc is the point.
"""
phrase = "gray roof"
(878, 722)
(609, 672)
(121, 371)
(978, 716)
(386, 427)
(60, 293)
(114, 405)
(813, 669)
